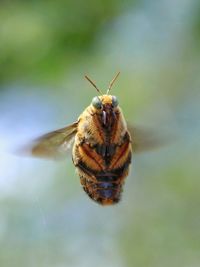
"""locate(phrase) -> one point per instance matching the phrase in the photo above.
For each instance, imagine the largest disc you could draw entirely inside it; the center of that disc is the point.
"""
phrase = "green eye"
(114, 101)
(96, 102)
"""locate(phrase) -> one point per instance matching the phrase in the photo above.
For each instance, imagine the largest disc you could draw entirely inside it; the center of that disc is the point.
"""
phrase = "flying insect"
(102, 146)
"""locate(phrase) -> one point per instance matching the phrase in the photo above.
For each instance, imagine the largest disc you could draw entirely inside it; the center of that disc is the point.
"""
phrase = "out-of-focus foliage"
(195, 27)
(41, 40)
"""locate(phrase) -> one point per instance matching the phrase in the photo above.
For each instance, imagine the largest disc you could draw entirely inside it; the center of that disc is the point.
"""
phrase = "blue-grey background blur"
(46, 47)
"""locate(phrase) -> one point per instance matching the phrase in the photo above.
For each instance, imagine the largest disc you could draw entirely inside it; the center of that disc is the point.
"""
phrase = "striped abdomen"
(104, 187)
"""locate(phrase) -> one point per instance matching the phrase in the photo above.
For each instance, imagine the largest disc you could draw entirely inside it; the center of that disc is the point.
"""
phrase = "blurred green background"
(46, 48)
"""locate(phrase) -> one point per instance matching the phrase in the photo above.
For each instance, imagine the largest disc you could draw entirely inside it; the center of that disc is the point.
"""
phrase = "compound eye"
(96, 102)
(114, 101)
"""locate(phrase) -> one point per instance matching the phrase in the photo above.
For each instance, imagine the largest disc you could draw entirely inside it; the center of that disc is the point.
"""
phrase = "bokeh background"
(46, 48)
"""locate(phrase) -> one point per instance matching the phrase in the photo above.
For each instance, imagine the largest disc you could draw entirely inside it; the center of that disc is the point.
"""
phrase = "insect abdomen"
(102, 183)
(104, 193)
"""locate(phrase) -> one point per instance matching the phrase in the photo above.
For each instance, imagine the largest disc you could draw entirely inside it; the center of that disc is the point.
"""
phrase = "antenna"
(112, 82)
(98, 90)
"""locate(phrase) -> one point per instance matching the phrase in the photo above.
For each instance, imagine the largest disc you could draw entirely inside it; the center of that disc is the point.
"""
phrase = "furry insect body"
(102, 151)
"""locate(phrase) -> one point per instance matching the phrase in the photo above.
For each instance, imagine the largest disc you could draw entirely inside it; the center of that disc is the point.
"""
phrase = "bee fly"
(102, 146)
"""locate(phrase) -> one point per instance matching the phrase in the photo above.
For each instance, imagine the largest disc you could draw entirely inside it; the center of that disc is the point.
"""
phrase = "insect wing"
(144, 138)
(53, 144)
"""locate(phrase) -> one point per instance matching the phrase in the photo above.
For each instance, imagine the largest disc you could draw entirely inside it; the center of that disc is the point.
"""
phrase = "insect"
(102, 146)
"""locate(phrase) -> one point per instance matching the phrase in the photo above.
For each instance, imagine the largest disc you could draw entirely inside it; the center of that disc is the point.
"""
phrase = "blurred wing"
(53, 144)
(144, 139)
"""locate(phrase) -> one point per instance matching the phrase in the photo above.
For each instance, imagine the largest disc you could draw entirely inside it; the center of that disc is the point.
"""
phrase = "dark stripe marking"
(105, 176)
(87, 152)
